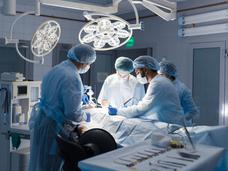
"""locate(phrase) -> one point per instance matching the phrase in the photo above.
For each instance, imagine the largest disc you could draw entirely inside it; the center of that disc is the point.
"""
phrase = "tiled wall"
(25, 28)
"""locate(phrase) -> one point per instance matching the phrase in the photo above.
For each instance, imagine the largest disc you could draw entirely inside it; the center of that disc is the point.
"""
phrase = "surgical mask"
(123, 76)
(141, 80)
(84, 70)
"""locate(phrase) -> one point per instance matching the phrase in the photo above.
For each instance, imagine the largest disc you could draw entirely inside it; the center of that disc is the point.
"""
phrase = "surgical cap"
(167, 68)
(82, 53)
(146, 62)
(124, 64)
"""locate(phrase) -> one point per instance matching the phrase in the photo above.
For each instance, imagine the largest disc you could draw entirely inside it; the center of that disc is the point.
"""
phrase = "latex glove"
(87, 117)
(112, 110)
(85, 99)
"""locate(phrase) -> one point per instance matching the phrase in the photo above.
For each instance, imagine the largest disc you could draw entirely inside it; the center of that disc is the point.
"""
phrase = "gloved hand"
(112, 110)
(85, 99)
(87, 117)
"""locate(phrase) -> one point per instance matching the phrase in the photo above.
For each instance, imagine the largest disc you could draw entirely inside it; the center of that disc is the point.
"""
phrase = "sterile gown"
(186, 100)
(121, 92)
(161, 102)
(60, 100)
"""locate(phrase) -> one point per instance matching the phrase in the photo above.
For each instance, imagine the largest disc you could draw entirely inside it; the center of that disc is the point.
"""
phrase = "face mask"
(123, 76)
(141, 80)
(84, 70)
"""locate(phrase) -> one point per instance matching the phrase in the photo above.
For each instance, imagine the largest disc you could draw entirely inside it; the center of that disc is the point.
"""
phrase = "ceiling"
(124, 8)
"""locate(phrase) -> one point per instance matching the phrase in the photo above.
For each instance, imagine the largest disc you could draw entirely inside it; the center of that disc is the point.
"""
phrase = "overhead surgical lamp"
(104, 31)
(44, 39)
(107, 32)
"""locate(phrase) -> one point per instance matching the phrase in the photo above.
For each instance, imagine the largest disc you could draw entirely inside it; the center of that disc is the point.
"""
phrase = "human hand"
(86, 116)
(82, 129)
(112, 110)
(85, 99)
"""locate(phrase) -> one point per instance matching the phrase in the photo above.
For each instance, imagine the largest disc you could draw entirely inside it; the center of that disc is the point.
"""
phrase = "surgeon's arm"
(139, 93)
(71, 96)
(103, 96)
(149, 101)
(190, 109)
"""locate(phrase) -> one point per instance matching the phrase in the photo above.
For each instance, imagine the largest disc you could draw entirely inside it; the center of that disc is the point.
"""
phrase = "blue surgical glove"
(87, 117)
(112, 110)
(85, 99)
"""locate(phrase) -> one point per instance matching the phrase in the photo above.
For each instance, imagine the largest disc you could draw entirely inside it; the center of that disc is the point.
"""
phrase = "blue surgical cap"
(146, 62)
(167, 68)
(82, 53)
(124, 64)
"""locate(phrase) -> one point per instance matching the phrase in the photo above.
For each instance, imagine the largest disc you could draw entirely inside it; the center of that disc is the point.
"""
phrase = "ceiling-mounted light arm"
(41, 61)
(156, 5)
(37, 10)
(10, 40)
(137, 25)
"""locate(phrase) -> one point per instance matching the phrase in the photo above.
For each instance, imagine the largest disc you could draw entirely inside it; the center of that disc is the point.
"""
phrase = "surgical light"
(45, 38)
(109, 32)
(106, 33)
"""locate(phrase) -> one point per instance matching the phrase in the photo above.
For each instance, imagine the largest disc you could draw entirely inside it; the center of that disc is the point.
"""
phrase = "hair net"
(147, 62)
(124, 64)
(82, 53)
(167, 68)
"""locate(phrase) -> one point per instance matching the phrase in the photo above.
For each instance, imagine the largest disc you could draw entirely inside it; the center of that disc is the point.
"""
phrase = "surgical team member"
(121, 89)
(161, 101)
(187, 103)
(61, 96)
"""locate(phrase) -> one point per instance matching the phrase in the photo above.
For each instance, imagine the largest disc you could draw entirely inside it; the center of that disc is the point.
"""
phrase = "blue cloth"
(191, 112)
(82, 53)
(88, 117)
(167, 68)
(85, 99)
(124, 64)
(112, 110)
(61, 95)
(146, 62)
(161, 102)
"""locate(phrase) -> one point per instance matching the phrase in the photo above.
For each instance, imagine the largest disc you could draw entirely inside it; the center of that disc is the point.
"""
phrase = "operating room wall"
(25, 28)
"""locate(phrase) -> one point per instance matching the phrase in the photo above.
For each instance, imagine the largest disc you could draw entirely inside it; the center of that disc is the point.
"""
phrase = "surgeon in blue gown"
(190, 109)
(61, 96)
(161, 101)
